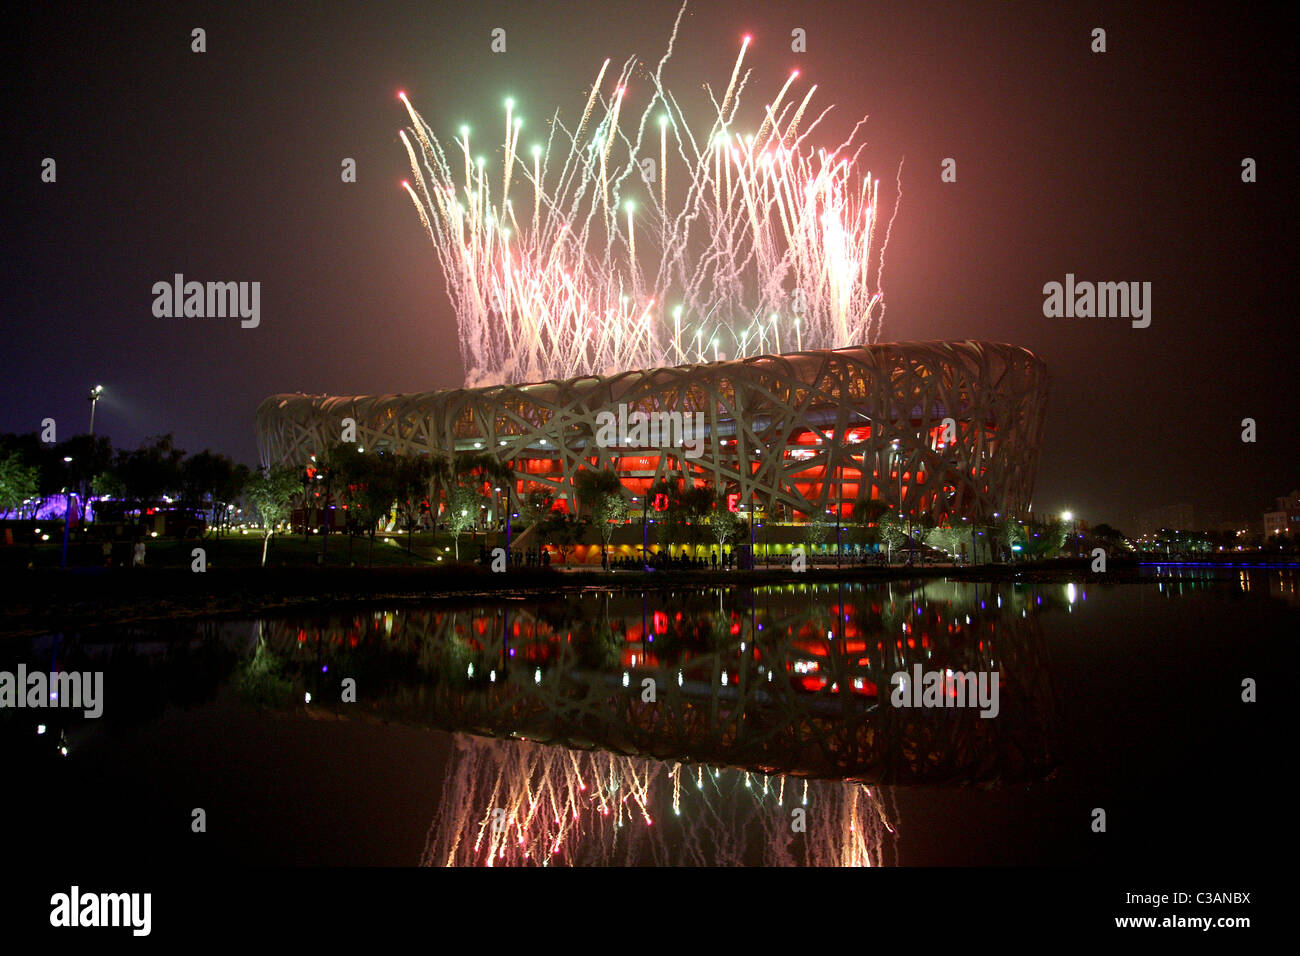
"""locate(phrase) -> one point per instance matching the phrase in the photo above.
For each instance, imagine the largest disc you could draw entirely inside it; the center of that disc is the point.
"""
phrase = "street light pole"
(898, 463)
(306, 504)
(753, 514)
(497, 517)
(898, 467)
(509, 515)
(645, 530)
(95, 392)
(67, 515)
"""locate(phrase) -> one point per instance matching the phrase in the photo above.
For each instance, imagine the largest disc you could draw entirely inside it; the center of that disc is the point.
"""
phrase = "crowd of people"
(679, 562)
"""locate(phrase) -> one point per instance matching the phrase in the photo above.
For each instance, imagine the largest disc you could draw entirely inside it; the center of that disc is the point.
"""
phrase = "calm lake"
(713, 727)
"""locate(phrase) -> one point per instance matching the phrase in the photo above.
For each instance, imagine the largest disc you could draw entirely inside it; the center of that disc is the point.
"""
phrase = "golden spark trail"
(735, 72)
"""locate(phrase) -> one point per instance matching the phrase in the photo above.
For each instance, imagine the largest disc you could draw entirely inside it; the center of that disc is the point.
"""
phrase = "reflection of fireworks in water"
(771, 247)
(519, 803)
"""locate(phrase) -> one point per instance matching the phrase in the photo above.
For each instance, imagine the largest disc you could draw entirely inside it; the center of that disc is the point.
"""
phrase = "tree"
(562, 530)
(536, 505)
(340, 473)
(695, 504)
(109, 485)
(150, 471)
(892, 531)
(230, 489)
(91, 456)
(1010, 534)
(1116, 539)
(211, 478)
(51, 472)
(378, 493)
(601, 494)
(327, 479)
(414, 477)
(1049, 537)
(269, 492)
(688, 513)
(368, 482)
(816, 530)
(440, 479)
(946, 539)
(481, 469)
(19, 482)
(724, 523)
(462, 511)
(483, 465)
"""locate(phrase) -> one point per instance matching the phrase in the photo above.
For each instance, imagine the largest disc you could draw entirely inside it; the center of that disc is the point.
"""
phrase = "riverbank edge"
(41, 602)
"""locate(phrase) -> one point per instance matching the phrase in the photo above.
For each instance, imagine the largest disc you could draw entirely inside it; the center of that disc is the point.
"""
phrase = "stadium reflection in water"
(704, 726)
(769, 737)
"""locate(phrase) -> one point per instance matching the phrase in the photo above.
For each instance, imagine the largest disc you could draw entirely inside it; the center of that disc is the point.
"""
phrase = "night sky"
(225, 165)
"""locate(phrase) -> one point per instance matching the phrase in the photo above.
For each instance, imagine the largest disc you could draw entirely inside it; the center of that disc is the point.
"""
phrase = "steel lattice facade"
(944, 429)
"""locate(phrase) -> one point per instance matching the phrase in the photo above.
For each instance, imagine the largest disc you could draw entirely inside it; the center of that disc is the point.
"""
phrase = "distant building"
(1285, 518)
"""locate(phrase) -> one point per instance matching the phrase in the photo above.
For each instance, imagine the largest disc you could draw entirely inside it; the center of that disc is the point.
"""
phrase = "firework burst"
(629, 241)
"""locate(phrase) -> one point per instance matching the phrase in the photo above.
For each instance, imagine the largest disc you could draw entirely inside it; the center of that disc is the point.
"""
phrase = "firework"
(611, 248)
(521, 803)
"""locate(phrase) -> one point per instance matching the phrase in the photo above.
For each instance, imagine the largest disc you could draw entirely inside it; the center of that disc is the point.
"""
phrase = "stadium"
(940, 431)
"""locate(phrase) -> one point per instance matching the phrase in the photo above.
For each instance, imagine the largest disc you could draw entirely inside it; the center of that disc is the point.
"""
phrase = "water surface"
(699, 727)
